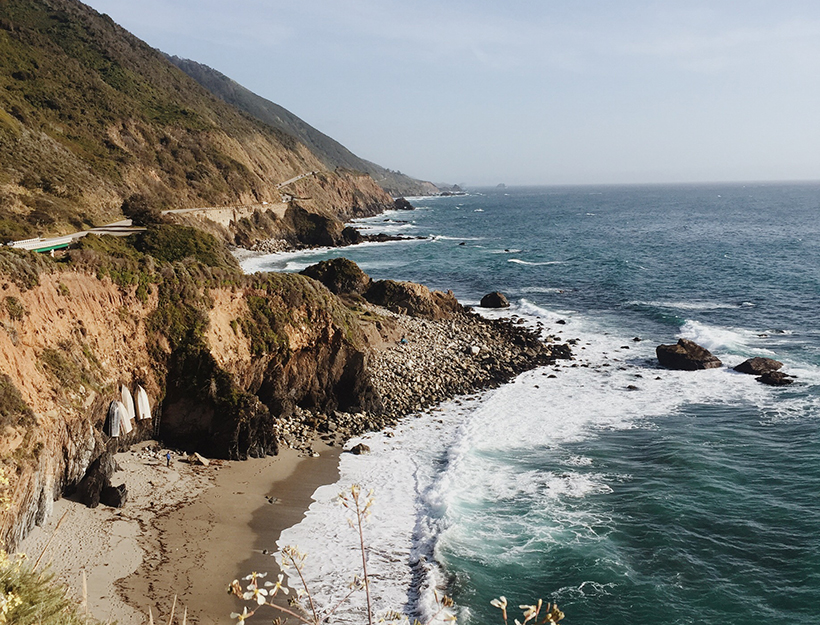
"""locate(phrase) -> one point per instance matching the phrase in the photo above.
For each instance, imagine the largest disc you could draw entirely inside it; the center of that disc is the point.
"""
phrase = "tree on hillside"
(142, 210)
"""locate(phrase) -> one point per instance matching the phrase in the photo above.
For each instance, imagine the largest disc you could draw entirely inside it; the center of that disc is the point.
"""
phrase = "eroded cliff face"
(268, 346)
(65, 345)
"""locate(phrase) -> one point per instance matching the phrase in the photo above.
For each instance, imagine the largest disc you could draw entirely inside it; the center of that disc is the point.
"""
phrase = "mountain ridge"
(91, 114)
(330, 151)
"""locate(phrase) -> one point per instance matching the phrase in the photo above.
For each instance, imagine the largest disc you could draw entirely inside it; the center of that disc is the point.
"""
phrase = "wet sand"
(186, 530)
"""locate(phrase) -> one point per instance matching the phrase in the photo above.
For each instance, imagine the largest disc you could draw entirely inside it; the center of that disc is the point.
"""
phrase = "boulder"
(96, 479)
(775, 378)
(340, 275)
(686, 355)
(401, 204)
(358, 450)
(758, 366)
(114, 496)
(494, 300)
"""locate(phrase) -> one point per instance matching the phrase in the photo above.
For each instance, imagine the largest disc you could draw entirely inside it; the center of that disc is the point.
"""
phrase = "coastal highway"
(124, 227)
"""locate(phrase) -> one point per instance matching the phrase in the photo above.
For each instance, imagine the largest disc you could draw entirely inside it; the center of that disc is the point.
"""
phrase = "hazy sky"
(525, 91)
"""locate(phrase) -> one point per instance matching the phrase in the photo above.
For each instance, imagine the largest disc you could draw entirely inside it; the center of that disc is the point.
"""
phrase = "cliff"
(234, 365)
(90, 115)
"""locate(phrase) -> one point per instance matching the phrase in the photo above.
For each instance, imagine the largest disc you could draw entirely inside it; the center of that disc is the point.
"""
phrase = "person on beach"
(167, 458)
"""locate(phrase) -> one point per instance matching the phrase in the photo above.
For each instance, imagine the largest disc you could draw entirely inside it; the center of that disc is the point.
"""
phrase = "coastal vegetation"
(29, 597)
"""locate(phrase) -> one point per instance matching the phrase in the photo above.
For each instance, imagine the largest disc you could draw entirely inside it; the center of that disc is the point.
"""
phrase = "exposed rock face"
(340, 275)
(495, 299)
(412, 299)
(686, 355)
(758, 366)
(775, 378)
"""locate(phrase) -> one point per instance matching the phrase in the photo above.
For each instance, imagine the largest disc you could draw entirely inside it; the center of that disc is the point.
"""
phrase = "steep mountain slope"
(89, 115)
(329, 151)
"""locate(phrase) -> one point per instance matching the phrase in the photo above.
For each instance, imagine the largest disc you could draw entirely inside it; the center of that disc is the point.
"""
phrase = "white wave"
(527, 262)
(442, 237)
(509, 251)
(541, 289)
(438, 473)
(690, 305)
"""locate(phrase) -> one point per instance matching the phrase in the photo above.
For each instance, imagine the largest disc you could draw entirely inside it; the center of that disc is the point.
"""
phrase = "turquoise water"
(694, 498)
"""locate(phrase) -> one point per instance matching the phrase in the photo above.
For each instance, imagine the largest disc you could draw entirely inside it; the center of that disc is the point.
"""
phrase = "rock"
(775, 378)
(401, 204)
(412, 299)
(114, 496)
(358, 450)
(195, 458)
(340, 275)
(96, 479)
(758, 366)
(475, 350)
(496, 299)
(686, 355)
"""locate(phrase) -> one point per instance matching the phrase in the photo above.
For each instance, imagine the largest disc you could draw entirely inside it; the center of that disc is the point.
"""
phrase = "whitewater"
(621, 490)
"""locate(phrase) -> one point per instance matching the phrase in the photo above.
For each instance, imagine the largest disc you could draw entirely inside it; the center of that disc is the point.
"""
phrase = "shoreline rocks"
(686, 355)
(758, 366)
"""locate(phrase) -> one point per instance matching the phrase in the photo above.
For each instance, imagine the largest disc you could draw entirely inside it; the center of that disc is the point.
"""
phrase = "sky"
(525, 91)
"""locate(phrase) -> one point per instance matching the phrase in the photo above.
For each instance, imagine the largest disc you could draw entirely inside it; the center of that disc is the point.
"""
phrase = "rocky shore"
(423, 363)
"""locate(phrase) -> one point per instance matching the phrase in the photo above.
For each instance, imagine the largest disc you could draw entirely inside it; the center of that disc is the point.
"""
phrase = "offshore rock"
(496, 299)
(401, 204)
(686, 355)
(358, 450)
(758, 366)
(775, 378)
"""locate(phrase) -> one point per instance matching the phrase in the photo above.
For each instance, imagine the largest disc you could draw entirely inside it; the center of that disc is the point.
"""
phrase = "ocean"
(625, 492)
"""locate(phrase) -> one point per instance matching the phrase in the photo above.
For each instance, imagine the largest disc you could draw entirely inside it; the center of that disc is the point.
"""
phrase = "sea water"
(625, 492)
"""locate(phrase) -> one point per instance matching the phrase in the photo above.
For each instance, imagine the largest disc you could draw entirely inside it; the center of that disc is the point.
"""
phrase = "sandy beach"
(186, 530)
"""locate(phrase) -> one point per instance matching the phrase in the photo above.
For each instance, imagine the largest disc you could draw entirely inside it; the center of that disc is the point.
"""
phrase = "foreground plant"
(28, 597)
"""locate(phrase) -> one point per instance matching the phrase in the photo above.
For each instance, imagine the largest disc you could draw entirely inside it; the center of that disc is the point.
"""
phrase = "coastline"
(186, 530)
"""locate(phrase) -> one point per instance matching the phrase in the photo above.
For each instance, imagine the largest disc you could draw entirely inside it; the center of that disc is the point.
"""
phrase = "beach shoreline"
(185, 533)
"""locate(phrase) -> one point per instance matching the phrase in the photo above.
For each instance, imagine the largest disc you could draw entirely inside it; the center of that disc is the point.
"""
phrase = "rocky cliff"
(234, 365)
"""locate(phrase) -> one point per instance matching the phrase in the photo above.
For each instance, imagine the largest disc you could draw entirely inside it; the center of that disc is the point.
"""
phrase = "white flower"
(257, 594)
(500, 603)
(245, 614)
(277, 586)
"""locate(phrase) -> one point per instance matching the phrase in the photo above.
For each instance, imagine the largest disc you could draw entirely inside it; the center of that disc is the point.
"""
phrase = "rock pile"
(436, 360)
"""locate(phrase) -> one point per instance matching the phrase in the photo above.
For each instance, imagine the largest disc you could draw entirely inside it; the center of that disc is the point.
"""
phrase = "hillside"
(332, 153)
(89, 115)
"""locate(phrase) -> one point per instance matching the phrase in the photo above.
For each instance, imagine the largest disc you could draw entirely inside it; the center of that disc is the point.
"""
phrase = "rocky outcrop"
(340, 275)
(96, 480)
(496, 299)
(775, 378)
(758, 366)
(412, 299)
(686, 355)
(401, 204)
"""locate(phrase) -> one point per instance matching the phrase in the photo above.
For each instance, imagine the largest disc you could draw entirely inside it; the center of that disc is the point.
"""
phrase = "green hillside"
(89, 115)
(330, 152)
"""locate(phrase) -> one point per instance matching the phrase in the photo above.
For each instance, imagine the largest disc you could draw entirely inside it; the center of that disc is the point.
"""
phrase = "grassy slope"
(330, 151)
(90, 114)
